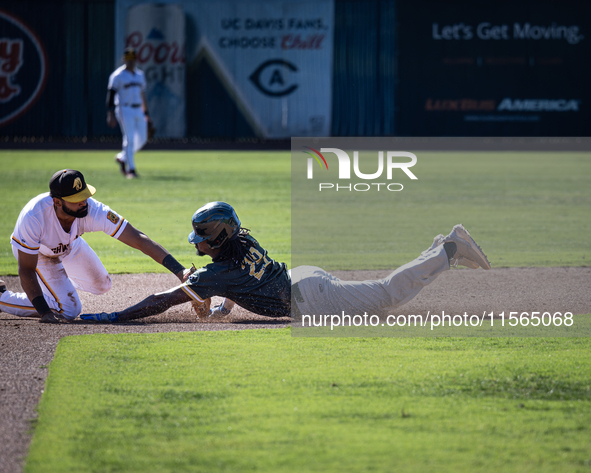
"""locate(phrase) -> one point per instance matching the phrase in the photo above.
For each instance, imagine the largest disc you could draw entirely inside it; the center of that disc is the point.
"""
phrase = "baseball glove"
(151, 130)
(202, 308)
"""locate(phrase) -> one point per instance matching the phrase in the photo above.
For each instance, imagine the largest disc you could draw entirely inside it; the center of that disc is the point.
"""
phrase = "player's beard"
(200, 253)
(78, 214)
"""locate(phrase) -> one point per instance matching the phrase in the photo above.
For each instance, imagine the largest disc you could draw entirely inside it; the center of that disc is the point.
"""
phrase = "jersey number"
(256, 257)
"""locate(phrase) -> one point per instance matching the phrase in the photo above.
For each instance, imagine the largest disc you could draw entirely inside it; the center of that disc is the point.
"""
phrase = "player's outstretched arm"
(151, 305)
(138, 240)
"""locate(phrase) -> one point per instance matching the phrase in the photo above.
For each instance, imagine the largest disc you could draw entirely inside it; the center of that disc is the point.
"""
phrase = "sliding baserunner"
(243, 273)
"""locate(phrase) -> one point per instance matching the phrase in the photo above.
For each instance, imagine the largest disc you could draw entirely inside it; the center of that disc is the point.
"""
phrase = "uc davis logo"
(274, 78)
(23, 67)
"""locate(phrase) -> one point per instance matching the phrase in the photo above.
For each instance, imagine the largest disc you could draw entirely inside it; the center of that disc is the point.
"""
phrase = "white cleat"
(468, 252)
(455, 262)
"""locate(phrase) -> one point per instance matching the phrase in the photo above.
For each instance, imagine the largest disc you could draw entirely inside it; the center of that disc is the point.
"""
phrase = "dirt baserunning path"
(27, 347)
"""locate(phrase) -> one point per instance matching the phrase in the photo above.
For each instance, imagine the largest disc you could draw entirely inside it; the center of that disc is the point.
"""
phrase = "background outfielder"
(54, 261)
(126, 100)
(243, 273)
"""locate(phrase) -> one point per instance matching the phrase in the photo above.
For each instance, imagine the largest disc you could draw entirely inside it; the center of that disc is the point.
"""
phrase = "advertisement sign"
(268, 63)
(23, 67)
(513, 70)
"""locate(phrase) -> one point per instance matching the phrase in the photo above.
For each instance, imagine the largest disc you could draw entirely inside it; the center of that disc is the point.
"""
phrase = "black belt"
(134, 105)
(296, 296)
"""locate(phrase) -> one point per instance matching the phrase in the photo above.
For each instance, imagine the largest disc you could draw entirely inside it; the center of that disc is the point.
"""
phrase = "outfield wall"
(502, 69)
(399, 68)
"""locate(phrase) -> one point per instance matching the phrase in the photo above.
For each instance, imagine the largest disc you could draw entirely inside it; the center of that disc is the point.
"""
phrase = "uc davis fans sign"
(256, 68)
(23, 69)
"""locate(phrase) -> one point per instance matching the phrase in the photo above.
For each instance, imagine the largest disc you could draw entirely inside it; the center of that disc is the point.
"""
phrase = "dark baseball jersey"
(259, 284)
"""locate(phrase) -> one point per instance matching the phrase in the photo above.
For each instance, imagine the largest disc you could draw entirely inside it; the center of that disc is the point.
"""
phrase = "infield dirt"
(27, 347)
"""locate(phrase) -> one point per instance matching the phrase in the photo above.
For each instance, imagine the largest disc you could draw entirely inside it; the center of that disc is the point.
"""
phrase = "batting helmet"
(215, 223)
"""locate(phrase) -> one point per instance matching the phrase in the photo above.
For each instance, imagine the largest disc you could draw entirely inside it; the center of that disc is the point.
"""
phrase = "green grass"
(524, 209)
(161, 203)
(264, 401)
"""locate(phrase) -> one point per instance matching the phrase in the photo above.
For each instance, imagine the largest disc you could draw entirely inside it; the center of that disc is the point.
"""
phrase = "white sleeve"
(27, 235)
(112, 82)
(101, 218)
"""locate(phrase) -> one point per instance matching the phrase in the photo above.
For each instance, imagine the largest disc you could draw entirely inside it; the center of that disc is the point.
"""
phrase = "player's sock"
(450, 249)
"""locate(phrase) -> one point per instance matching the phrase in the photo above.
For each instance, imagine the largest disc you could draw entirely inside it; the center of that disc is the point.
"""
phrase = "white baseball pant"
(322, 293)
(134, 129)
(59, 278)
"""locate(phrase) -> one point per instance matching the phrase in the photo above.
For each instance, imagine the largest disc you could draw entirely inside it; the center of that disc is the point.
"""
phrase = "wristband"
(146, 113)
(40, 305)
(172, 264)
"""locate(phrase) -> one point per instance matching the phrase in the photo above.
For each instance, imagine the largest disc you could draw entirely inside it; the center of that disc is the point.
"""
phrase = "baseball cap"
(70, 186)
(129, 53)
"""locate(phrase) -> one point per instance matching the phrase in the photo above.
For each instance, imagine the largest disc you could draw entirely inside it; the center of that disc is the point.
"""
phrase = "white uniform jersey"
(128, 86)
(38, 229)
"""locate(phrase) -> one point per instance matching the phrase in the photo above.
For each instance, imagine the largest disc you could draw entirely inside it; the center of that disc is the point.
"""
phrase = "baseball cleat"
(468, 253)
(104, 317)
(131, 174)
(455, 262)
(439, 240)
(121, 163)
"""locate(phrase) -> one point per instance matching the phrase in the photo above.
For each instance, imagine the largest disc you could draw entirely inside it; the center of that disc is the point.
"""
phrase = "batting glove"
(219, 310)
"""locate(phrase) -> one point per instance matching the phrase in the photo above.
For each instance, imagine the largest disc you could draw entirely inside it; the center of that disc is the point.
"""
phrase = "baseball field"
(170, 395)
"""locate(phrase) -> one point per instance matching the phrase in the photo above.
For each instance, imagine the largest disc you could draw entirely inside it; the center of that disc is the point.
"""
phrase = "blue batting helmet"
(215, 223)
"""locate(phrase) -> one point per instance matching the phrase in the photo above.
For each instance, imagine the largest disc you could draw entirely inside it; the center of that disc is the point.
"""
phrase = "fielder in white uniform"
(126, 101)
(54, 261)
